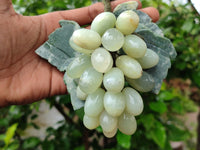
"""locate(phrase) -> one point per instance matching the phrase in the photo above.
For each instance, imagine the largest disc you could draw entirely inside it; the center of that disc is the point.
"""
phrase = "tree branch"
(193, 8)
(198, 132)
(85, 138)
(60, 109)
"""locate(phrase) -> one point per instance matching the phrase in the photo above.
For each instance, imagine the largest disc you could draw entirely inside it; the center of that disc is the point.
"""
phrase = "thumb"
(6, 7)
(83, 15)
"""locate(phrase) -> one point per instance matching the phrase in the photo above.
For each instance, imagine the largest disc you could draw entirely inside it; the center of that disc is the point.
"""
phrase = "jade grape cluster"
(112, 56)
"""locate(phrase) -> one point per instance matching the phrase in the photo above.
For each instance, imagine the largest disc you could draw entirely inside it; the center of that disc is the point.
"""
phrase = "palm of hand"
(25, 76)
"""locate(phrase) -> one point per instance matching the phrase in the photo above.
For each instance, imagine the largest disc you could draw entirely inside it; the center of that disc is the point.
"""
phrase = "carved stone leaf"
(155, 40)
(71, 87)
(57, 49)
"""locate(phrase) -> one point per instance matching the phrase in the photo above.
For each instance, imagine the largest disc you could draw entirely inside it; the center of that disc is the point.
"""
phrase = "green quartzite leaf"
(164, 48)
(59, 53)
(146, 23)
(161, 45)
(155, 40)
(71, 87)
(124, 140)
(57, 49)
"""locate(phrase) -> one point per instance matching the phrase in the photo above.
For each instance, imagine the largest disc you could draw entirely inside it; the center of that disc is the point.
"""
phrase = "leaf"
(64, 99)
(166, 96)
(147, 121)
(168, 146)
(177, 134)
(159, 107)
(153, 36)
(196, 78)
(187, 26)
(34, 116)
(57, 49)
(10, 133)
(59, 53)
(99, 129)
(146, 23)
(80, 113)
(14, 111)
(13, 146)
(177, 107)
(165, 50)
(156, 131)
(161, 45)
(124, 140)
(31, 142)
(2, 137)
(4, 122)
(80, 148)
(71, 87)
(48, 145)
(158, 134)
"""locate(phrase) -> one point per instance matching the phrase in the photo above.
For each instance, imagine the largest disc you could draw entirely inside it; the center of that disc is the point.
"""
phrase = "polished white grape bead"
(78, 65)
(107, 122)
(94, 103)
(113, 80)
(103, 22)
(134, 102)
(134, 46)
(129, 66)
(114, 103)
(113, 39)
(110, 134)
(127, 22)
(80, 49)
(144, 84)
(90, 80)
(87, 39)
(127, 123)
(90, 122)
(80, 94)
(149, 60)
(101, 60)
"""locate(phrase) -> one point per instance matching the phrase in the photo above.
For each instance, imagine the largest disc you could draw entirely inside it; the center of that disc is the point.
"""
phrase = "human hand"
(24, 76)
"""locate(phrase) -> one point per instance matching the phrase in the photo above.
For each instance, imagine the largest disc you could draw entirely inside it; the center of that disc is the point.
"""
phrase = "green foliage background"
(159, 124)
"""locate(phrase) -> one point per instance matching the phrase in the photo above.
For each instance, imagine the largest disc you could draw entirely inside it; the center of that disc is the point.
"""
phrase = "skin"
(24, 76)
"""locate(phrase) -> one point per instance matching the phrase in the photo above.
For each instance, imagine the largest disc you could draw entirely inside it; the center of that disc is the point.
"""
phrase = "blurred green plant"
(162, 120)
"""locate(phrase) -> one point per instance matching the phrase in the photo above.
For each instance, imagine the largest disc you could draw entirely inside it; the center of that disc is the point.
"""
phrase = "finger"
(6, 6)
(57, 85)
(152, 12)
(82, 16)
